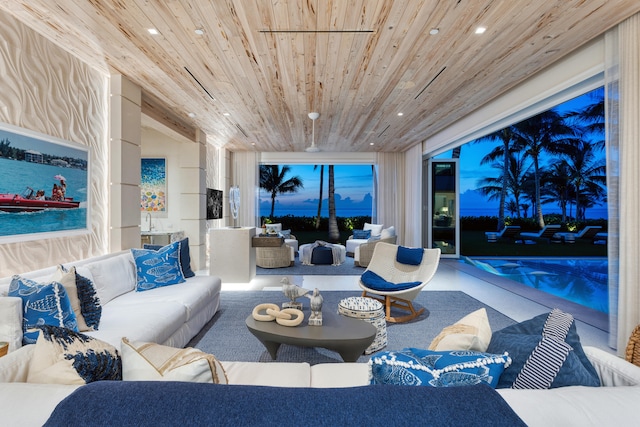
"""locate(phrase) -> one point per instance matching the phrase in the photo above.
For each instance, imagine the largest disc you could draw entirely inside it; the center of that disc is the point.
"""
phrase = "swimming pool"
(583, 281)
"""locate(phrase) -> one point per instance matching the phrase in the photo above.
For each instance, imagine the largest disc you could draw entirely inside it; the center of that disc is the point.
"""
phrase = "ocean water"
(15, 176)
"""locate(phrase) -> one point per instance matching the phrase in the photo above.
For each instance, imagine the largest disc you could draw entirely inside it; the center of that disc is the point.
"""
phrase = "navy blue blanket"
(111, 403)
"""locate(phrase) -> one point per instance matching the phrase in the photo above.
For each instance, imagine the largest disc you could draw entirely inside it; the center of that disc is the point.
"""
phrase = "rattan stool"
(369, 310)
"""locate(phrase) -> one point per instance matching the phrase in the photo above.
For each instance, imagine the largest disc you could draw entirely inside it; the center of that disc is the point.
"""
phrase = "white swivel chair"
(384, 264)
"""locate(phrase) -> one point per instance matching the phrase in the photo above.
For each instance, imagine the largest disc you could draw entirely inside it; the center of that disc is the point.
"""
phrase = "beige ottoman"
(371, 311)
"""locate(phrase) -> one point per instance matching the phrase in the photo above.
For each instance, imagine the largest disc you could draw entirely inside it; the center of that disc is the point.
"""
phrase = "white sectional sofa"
(30, 404)
(169, 315)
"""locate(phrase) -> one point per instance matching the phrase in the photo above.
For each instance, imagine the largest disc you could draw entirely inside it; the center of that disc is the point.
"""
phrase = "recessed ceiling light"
(199, 31)
(434, 31)
(401, 114)
(226, 114)
(153, 31)
(371, 143)
(481, 30)
(192, 115)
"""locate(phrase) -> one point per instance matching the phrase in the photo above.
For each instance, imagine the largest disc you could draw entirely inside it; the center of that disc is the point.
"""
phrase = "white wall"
(36, 93)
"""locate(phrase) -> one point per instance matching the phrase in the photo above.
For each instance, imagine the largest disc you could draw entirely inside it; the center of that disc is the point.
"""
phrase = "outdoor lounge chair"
(545, 234)
(508, 232)
(587, 233)
(384, 264)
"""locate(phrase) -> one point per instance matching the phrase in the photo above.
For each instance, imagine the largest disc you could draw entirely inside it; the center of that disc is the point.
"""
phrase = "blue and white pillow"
(90, 306)
(62, 356)
(159, 268)
(42, 304)
(361, 234)
(185, 256)
(418, 367)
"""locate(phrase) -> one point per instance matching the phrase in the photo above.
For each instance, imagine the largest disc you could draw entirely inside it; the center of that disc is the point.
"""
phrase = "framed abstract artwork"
(153, 185)
(44, 185)
(214, 203)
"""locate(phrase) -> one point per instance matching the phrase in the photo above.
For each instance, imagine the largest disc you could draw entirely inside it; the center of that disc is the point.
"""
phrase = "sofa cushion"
(521, 339)
(159, 268)
(144, 361)
(472, 332)
(413, 366)
(155, 322)
(68, 280)
(43, 304)
(361, 234)
(195, 294)
(62, 356)
(185, 256)
(409, 256)
(388, 232)
(113, 276)
(376, 229)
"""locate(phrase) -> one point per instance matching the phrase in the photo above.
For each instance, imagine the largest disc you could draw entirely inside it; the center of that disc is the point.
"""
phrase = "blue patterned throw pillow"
(42, 304)
(89, 301)
(159, 268)
(185, 256)
(62, 356)
(413, 366)
(361, 234)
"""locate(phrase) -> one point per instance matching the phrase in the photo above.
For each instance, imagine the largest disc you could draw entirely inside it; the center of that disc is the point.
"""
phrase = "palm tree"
(334, 232)
(505, 136)
(587, 174)
(272, 180)
(558, 188)
(546, 132)
(317, 224)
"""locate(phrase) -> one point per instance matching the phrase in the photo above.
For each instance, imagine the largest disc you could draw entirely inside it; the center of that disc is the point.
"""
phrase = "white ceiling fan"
(313, 148)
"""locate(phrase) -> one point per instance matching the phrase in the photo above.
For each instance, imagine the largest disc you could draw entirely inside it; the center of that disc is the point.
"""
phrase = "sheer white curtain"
(391, 196)
(628, 203)
(246, 176)
(413, 197)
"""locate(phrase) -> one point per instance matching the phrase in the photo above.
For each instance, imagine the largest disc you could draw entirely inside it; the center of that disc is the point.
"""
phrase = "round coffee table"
(348, 337)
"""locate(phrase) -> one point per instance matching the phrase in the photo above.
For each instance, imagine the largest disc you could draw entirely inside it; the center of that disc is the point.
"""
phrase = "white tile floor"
(448, 277)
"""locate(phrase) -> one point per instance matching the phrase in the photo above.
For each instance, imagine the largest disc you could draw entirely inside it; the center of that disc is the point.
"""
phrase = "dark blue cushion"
(521, 339)
(185, 256)
(409, 256)
(322, 255)
(361, 234)
(372, 281)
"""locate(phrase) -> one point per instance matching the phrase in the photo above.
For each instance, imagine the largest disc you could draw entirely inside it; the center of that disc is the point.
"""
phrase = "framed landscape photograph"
(214, 203)
(44, 185)
(153, 185)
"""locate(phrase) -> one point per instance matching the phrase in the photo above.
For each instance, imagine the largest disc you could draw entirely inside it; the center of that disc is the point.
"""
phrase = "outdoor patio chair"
(508, 232)
(400, 282)
(545, 234)
(587, 233)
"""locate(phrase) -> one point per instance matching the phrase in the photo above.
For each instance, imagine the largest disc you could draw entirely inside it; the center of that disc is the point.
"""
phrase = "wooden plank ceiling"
(260, 66)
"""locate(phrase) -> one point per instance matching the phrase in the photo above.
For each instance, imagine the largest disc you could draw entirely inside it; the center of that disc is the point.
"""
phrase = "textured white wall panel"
(45, 89)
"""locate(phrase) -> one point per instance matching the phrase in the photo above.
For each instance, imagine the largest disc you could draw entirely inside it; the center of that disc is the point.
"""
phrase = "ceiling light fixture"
(481, 30)
(153, 31)
(192, 115)
(434, 31)
(400, 114)
(313, 148)
(199, 31)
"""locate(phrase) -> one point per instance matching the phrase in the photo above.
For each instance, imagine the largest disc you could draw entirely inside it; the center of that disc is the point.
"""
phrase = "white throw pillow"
(472, 332)
(388, 232)
(154, 362)
(376, 229)
(113, 277)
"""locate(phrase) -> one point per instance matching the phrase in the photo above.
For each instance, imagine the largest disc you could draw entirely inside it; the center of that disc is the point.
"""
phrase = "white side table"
(233, 258)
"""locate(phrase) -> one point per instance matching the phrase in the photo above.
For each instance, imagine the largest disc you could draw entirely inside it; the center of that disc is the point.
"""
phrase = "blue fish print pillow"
(159, 268)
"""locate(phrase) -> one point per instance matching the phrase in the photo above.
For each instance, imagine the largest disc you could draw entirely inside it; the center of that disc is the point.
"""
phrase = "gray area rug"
(345, 269)
(227, 337)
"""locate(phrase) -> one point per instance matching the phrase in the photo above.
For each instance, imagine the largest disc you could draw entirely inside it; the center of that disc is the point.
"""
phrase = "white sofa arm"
(11, 322)
(613, 370)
